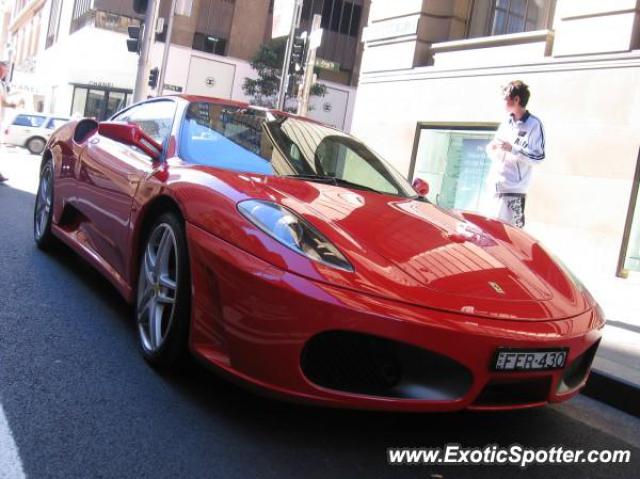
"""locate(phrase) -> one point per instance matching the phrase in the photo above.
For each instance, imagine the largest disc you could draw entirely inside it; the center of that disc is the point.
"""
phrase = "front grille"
(514, 392)
(366, 364)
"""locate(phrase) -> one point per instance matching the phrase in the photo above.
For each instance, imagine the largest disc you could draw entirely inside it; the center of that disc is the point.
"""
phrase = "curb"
(614, 391)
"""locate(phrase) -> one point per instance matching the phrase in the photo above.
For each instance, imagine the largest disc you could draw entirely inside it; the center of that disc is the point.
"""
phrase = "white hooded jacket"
(512, 170)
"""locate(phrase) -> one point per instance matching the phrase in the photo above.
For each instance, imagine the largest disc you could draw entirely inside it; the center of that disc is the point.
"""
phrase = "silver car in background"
(32, 130)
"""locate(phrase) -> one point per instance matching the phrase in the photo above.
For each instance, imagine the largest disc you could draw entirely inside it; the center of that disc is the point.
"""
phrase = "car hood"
(413, 251)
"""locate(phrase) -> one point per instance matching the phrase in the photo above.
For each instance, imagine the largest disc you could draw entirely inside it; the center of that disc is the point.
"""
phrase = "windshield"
(252, 140)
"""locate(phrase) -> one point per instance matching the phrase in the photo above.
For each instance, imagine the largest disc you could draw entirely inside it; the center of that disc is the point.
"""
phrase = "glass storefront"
(115, 102)
(452, 159)
(630, 256)
(632, 261)
(98, 102)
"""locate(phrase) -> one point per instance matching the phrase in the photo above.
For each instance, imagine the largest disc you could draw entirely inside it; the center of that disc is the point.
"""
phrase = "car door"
(109, 176)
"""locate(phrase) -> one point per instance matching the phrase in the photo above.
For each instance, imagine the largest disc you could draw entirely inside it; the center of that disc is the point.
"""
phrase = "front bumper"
(256, 322)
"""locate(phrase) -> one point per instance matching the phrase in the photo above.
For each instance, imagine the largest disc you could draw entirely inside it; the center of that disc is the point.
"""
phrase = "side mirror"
(421, 187)
(131, 134)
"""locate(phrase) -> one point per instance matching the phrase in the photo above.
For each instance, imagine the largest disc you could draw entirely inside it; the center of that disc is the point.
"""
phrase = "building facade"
(429, 100)
(22, 40)
(86, 69)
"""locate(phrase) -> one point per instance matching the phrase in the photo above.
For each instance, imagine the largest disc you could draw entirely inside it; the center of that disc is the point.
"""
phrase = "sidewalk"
(619, 353)
(615, 377)
(20, 167)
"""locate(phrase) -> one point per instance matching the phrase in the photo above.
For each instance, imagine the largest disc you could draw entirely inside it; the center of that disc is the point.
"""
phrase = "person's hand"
(505, 146)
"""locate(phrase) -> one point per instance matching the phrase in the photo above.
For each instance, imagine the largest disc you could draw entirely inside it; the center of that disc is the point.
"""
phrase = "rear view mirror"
(131, 134)
(421, 187)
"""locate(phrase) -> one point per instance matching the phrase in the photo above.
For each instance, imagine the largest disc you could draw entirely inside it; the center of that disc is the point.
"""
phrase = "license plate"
(530, 360)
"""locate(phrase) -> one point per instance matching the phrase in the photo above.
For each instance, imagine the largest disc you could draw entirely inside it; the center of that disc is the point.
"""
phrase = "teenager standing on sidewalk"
(517, 146)
(4, 103)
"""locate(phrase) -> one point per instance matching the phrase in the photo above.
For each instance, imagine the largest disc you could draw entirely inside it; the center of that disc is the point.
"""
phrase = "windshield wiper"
(333, 181)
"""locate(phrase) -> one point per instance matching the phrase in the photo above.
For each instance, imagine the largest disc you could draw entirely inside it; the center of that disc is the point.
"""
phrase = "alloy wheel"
(157, 288)
(43, 202)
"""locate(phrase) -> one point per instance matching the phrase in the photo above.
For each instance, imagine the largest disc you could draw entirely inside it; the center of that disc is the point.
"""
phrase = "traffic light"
(140, 6)
(298, 53)
(153, 77)
(135, 38)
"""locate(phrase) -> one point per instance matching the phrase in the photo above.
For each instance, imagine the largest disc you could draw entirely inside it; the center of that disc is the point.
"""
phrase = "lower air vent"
(514, 392)
(366, 364)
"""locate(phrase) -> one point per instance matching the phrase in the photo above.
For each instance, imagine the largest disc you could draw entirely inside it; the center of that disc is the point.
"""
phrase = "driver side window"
(154, 118)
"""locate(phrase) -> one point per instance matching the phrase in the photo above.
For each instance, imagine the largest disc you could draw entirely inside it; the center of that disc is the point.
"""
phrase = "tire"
(163, 295)
(43, 209)
(36, 145)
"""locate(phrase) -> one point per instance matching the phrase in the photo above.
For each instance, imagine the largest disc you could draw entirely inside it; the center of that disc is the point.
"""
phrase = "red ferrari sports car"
(291, 257)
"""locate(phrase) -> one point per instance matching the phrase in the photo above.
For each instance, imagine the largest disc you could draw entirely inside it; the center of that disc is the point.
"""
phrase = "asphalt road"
(81, 403)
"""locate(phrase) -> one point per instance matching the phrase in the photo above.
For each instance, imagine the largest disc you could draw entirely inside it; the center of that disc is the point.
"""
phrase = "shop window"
(630, 253)
(79, 102)
(116, 101)
(209, 43)
(452, 159)
(95, 104)
(98, 103)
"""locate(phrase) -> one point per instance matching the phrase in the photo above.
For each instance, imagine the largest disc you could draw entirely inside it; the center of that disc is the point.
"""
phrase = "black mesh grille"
(367, 364)
(514, 392)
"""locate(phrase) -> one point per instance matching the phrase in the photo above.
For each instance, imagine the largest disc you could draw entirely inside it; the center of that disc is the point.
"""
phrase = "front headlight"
(293, 232)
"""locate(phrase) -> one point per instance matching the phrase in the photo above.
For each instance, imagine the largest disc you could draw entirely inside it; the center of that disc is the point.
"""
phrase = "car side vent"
(83, 129)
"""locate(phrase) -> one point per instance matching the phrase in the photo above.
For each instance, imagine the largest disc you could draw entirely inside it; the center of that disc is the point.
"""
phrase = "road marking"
(10, 463)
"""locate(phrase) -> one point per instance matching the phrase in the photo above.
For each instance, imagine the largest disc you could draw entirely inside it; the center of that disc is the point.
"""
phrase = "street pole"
(167, 47)
(150, 21)
(284, 76)
(303, 100)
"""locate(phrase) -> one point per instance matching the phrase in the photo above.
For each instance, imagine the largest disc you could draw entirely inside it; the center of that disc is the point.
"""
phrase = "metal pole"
(150, 21)
(284, 75)
(303, 103)
(167, 47)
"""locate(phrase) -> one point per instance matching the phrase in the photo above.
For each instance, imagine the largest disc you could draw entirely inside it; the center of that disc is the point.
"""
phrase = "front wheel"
(43, 211)
(162, 310)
